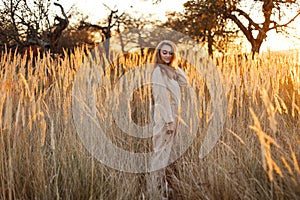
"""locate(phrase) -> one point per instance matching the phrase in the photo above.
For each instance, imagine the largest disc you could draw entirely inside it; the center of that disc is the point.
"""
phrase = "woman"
(167, 78)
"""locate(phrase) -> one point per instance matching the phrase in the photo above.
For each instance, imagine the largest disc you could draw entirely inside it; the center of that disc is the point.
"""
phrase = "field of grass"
(257, 156)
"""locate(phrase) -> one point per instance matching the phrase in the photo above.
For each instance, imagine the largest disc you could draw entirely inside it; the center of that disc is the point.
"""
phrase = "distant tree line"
(217, 23)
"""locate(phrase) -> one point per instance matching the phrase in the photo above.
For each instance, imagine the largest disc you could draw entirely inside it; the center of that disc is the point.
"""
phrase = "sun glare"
(277, 42)
(99, 10)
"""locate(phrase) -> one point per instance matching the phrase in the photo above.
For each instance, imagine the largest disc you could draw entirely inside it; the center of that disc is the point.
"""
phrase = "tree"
(268, 15)
(27, 23)
(59, 27)
(105, 30)
(143, 39)
(201, 20)
(271, 12)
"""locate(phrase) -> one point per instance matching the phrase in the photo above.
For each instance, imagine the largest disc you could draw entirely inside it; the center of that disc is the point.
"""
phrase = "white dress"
(167, 95)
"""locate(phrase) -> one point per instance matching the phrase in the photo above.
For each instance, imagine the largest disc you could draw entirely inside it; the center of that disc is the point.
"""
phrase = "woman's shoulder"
(157, 74)
(157, 70)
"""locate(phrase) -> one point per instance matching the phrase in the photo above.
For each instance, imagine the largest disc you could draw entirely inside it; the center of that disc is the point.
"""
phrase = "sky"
(96, 11)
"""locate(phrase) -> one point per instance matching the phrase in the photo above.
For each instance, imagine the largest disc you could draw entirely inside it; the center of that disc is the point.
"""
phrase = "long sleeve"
(180, 77)
(161, 96)
(177, 75)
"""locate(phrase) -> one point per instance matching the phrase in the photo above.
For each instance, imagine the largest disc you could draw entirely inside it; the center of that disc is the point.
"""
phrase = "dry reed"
(42, 157)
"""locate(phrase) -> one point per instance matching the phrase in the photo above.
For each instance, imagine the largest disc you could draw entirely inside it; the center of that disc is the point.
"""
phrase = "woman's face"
(166, 53)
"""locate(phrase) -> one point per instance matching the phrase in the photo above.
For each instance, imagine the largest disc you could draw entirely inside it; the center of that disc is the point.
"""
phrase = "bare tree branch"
(251, 22)
(62, 11)
(276, 26)
(62, 24)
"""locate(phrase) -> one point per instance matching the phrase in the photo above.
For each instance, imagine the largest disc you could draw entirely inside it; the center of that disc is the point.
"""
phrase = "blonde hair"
(157, 58)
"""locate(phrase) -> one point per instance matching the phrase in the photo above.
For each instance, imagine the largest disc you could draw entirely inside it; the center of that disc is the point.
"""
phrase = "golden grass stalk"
(265, 141)
(42, 157)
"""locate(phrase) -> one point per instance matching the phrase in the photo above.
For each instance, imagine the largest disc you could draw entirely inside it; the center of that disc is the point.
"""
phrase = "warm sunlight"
(87, 113)
(97, 10)
(277, 42)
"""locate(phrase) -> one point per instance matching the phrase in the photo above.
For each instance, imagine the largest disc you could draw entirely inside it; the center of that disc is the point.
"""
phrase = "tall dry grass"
(257, 156)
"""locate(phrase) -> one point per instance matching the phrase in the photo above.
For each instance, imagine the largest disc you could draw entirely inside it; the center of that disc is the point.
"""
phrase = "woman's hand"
(170, 127)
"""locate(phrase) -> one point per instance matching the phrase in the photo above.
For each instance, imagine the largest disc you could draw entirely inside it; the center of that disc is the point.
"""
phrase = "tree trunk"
(255, 46)
(210, 43)
(107, 32)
